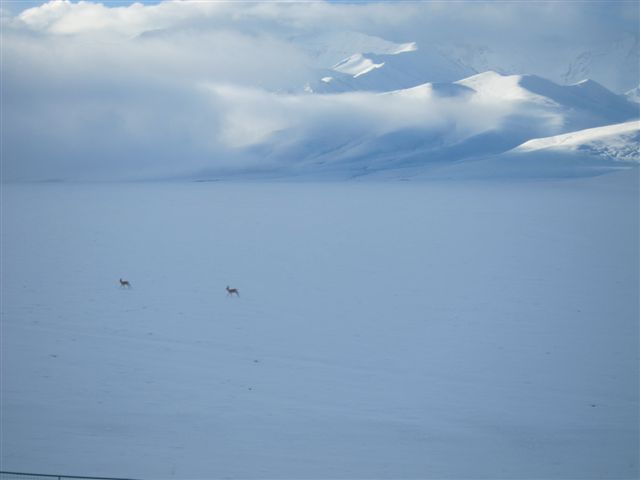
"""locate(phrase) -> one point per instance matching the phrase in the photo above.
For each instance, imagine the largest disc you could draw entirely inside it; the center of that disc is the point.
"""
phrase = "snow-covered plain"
(451, 329)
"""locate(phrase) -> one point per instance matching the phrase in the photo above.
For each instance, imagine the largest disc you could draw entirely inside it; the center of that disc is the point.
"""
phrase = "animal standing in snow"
(124, 284)
(231, 291)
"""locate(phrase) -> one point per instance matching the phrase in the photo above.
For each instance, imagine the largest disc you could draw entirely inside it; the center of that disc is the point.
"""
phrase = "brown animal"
(124, 283)
(231, 291)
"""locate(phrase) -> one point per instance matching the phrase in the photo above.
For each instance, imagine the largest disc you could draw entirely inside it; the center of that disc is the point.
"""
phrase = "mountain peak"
(506, 87)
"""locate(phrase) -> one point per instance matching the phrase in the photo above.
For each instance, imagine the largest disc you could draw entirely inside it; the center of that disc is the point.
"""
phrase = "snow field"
(383, 330)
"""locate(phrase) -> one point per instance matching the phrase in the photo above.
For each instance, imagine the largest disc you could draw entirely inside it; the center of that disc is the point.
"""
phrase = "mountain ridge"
(528, 107)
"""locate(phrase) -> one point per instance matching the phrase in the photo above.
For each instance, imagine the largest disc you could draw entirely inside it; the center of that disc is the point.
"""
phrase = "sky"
(115, 89)
(17, 6)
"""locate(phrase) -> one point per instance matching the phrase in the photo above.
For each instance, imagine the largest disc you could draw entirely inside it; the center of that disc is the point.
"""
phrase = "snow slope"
(431, 90)
(589, 152)
(581, 105)
(383, 330)
(618, 142)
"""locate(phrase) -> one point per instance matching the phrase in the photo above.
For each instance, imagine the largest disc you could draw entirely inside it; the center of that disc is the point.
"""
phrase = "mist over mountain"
(201, 89)
(429, 125)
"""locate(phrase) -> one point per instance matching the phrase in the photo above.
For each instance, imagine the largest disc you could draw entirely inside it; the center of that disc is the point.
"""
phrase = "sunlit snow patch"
(618, 142)
(356, 65)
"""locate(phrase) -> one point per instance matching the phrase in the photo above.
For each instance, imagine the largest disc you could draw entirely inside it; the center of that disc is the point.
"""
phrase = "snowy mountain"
(586, 152)
(351, 61)
(434, 125)
(406, 67)
(615, 63)
(581, 105)
(330, 48)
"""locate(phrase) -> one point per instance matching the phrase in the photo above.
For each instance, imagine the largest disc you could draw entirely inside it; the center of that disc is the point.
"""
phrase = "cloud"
(98, 90)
